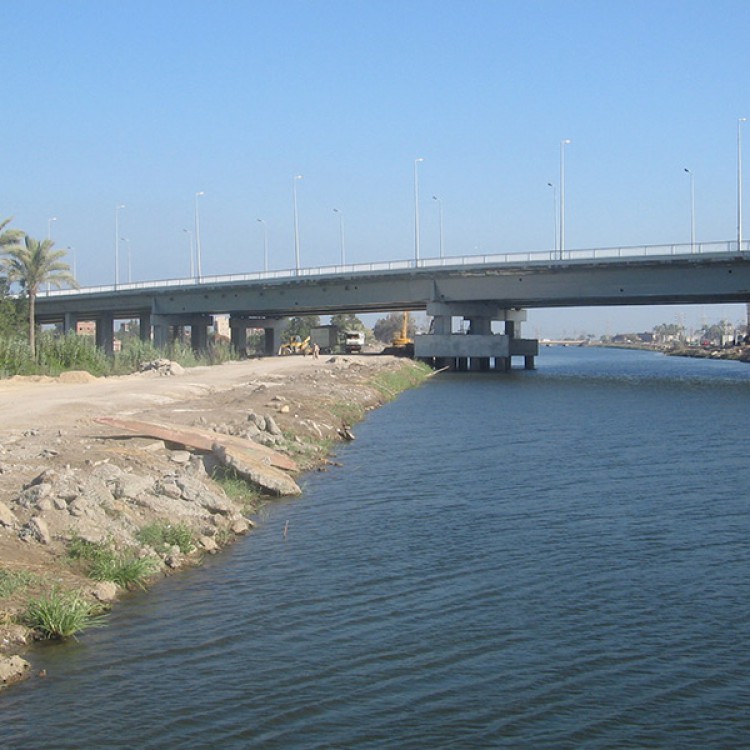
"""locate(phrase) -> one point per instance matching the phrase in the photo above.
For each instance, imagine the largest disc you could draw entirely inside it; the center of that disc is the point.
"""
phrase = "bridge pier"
(479, 348)
(168, 328)
(271, 327)
(105, 333)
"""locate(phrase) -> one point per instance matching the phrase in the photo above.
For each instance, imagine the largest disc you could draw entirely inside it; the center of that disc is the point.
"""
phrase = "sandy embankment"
(63, 474)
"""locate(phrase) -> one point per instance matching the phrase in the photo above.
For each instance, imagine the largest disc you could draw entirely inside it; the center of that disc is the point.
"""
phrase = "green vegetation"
(33, 264)
(236, 488)
(163, 536)
(56, 354)
(14, 581)
(391, 383)
(103, 563)
(61, 614)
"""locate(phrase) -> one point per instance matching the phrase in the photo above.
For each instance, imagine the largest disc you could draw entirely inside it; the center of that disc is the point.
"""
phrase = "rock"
(105, 591)
(257, 420)
(38, 528)
(7, 517)
(30, 497)
(271, 427)
(208, 544)
(168, 489)
(13, 669)
(240, 526)
(195, 492)
(48, 476)
(267, 477)
(132, 486)
(60, 503)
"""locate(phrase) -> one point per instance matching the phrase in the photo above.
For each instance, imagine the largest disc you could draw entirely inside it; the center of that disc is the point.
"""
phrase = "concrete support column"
(528, 362)
(510, 328)
(199, 337)
(105, 334)
(238, 337)
(69, 323)
(144, 327)
(161, 328)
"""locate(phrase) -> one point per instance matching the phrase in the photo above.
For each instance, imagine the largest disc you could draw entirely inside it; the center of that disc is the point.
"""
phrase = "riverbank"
(735, 353)
(75, 491)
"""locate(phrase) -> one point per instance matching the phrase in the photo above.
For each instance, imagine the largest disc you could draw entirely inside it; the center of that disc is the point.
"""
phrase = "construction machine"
(296, 345)
(401, 343)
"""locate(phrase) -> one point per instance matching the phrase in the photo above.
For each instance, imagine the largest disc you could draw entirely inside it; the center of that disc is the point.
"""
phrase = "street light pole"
(341, 227)
(265, 244)
(554, 216)
(416, 208)
(692, 210)
(130, 267)
(117, 243)
(563, 143)
(49, 227)
(440, 215)
(198, 268)
(739, 182)
(189, 233)
(296, 223)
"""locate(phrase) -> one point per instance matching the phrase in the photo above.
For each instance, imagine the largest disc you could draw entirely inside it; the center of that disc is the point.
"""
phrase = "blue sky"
(146, 103)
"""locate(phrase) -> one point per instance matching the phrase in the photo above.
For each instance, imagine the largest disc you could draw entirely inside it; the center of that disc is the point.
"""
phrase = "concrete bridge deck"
(478, 288)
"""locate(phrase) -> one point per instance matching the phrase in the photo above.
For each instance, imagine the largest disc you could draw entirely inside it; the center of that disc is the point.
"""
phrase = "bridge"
(480, 289)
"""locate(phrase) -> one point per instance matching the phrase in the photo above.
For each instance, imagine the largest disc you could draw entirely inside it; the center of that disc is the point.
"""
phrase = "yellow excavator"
(296, 345)
(401, 342)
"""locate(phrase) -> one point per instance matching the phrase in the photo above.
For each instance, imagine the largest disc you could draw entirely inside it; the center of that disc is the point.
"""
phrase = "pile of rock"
(161, 367)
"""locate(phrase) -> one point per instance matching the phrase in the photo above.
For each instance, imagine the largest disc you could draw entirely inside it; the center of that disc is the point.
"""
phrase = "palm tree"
(32, 264)
(9, 237)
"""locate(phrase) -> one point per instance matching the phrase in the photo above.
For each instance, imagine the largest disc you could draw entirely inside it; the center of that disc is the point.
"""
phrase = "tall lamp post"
(49, 227)
(554, 216)
(117, 243)
(130, 265)
(692, 210)
(416, 208)
(198, 269)
(440, 216)
(296, 223)
(265, 244)
(739, 182)
(341, 229)
(189, 233)
(563, 143)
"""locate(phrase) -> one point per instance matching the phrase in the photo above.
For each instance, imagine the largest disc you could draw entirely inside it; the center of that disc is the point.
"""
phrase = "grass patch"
(103, 563)
(124, 568)
(390, 383)
(13, 581)
(163, 536)
(61, 614)
(237, 489)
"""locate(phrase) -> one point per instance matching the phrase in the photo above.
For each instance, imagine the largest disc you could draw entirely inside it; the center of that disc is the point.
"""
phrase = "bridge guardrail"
(547, 256)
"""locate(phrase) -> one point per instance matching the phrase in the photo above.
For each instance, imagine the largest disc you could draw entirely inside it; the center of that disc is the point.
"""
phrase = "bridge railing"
(546, 256)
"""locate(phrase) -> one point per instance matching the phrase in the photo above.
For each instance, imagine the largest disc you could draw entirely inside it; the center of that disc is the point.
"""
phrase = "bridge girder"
(672, 280)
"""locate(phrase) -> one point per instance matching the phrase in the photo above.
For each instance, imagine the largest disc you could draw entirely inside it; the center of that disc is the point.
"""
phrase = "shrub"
(61, 614)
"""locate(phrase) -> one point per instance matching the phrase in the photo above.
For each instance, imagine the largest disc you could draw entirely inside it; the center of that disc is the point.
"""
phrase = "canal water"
(548, 559)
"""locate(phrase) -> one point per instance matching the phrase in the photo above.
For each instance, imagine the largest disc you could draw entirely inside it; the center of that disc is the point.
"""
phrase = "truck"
(332, 340)
(327, 338)
(354, 341)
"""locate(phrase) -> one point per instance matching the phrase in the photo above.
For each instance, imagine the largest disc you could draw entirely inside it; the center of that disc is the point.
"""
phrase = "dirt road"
(28, 402)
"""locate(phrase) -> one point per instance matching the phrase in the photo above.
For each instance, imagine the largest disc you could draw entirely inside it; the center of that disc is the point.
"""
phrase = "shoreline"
(72, 482)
